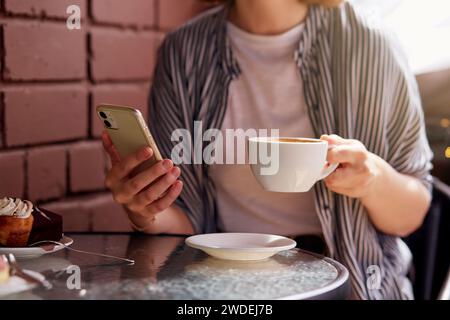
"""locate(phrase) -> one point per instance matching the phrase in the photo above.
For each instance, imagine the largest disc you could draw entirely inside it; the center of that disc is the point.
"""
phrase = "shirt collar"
(314, 25)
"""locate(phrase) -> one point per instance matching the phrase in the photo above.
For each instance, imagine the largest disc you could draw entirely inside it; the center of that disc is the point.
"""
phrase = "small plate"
(17, 284)
(240, 246)
(37, 251)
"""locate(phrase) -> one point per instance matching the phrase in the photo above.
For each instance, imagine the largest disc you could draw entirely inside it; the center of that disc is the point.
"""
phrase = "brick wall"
(51, 79)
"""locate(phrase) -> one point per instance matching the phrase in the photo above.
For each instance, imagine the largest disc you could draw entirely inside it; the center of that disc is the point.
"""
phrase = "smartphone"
(128, 132)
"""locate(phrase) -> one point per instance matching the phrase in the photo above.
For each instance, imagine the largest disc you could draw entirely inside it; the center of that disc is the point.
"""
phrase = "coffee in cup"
(288, 164)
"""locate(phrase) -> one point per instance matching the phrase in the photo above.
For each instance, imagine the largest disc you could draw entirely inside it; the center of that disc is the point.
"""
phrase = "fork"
(16, 270)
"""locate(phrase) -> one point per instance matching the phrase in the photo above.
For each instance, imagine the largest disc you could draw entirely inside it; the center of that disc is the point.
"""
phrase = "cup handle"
(327, 171)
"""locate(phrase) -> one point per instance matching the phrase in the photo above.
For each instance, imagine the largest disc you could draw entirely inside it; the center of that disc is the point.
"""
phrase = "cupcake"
(22, 223)
(16, 222)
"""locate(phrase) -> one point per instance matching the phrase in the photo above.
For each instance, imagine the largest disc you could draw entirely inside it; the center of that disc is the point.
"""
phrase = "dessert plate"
(240, 246)
(38, 250)
(17, 284)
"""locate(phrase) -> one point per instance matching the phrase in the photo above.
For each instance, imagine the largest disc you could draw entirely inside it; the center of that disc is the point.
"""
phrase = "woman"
(308, 68)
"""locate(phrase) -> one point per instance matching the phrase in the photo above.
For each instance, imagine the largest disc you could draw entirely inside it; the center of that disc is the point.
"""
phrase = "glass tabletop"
(165, 268)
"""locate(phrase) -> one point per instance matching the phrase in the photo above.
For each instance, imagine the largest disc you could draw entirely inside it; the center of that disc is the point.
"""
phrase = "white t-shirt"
(267, 94)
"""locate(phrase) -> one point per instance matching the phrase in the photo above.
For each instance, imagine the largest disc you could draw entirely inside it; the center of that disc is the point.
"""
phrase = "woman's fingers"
(346, 153)
(167, 200)
(107, 142)
(110, 149)
(145, 178)
(127, 165)
(148, 192)
(343, 177)
(348, 178)
(344, 150)
(333, 139)
(115, 176)
(339, 150)
(156, 190)
(356, 169)
(349, 192)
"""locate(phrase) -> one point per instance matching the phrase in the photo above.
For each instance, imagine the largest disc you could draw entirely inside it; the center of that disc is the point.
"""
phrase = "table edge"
(341, 282)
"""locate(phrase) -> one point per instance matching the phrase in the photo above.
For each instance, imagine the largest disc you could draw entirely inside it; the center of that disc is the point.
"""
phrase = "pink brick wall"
(51, 79)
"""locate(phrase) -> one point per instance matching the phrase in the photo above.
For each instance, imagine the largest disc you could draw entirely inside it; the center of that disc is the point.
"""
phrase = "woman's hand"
(147, 193)
(396, 203)
(357, 171)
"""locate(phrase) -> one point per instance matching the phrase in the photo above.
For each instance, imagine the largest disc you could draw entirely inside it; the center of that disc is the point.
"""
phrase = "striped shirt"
(356, 84)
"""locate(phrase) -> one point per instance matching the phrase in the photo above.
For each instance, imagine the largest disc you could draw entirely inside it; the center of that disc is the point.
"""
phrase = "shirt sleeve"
(409, 151)
(169, 111)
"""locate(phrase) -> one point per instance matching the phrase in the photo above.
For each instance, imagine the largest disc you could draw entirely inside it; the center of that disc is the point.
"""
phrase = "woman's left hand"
(357, 171)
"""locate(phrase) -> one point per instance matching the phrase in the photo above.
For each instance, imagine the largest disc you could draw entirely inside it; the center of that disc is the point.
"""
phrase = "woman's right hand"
(147, 193)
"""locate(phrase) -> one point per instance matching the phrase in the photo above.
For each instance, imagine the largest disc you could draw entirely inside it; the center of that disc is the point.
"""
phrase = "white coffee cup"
(286, 164)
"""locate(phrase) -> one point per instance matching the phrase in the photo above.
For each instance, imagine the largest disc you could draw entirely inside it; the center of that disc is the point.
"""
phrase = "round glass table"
(165, 268)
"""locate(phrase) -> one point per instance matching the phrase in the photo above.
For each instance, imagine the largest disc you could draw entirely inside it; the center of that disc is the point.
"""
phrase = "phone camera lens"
(107, 124)
(103, 115)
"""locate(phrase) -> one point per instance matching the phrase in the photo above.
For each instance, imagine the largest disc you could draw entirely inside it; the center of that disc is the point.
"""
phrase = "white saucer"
(240, 246)
(37, 251)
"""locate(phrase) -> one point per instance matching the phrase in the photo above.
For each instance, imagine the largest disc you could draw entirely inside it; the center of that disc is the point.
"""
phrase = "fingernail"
(178, 184)
(176, 171)
(167, 164)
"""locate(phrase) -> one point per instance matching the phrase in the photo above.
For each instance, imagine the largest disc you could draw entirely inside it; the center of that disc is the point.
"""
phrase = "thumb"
(333, 139)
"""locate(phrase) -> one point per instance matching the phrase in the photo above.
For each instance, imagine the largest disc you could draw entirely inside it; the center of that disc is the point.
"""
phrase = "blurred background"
(422, 28)
(51, 79)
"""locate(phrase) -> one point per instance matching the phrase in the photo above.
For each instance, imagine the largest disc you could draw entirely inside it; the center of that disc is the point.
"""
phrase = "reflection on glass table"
(165, 268)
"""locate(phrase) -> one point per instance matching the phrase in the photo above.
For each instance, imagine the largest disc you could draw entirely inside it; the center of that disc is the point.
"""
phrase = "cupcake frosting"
(15, 207)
